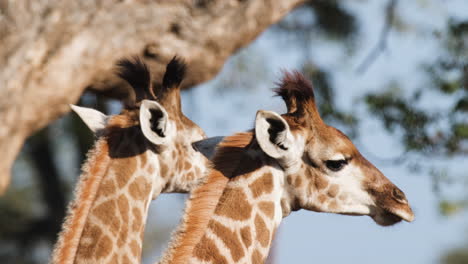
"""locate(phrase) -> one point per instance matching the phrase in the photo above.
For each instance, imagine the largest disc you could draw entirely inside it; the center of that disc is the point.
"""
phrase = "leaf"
(449, 208)
(462, 105)
(460, 130)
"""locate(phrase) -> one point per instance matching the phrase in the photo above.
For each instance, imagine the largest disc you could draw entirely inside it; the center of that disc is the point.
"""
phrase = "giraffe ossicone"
(288, 162)
(141, 152)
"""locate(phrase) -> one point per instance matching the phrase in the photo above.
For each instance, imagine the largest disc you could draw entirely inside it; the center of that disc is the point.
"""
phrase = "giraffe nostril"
(399, 195)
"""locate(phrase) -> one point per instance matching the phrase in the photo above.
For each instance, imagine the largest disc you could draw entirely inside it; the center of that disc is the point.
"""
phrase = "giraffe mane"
(204, 198)
(88, 185)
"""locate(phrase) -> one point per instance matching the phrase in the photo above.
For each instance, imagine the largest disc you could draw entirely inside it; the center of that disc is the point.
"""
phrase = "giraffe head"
(324, 170)
(154, 124)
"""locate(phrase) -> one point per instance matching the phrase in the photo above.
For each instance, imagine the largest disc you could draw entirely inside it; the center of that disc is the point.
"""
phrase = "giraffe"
(286, 163)
(142, 152)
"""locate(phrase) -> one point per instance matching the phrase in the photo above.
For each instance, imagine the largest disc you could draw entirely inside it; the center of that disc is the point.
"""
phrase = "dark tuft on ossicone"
(296, 91)
(175, 73)
(136, 73)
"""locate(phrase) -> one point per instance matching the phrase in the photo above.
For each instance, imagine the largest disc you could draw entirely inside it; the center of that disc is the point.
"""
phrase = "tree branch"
(52, 51)
(381, 45)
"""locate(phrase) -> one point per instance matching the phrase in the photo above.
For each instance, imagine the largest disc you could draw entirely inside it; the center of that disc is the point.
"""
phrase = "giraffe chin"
(386, 218)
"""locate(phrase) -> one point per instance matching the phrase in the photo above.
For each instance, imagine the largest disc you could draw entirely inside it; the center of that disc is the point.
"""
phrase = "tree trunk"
(51, 51)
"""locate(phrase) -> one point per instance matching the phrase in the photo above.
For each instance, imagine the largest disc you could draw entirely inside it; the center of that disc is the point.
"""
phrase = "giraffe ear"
(207, 146)
(273, 134)
(154, 122)
(95, 120)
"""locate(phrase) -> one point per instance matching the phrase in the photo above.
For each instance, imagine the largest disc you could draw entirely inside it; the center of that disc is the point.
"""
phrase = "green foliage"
(14, 213)
(397, 112)
(449, 208)
(333, 19)
(456, 256)
(448, 76)
(460, 130)
(428, 132)
(434, 131)
(462, 105)
(327, 19)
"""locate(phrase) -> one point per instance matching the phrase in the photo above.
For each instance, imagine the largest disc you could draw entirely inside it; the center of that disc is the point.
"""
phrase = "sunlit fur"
(85, 192)
(262, 190)
(358, 188)
(124, 171)
(203, 200)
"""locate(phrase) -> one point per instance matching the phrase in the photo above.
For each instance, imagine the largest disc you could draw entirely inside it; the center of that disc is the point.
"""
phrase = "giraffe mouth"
(388, 217)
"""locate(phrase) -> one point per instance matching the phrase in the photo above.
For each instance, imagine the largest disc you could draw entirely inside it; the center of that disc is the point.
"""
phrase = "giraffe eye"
(336, 165)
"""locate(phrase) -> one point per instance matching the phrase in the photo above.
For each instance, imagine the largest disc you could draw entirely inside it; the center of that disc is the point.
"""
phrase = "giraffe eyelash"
(336, 165)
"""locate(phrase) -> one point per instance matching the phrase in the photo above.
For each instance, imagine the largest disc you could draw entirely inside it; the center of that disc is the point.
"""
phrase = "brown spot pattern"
(106, 188)
(343, 196)
(268, 208)
(90, 232)
(135, 248)
(289, 179)
(333, 205)
(124, 169)
(106, 212)
(207, 251)
(200, 207)
(333, 190)
(163, 170)
(322, 198)
(103, 247)
(187, 165)
(321, 183)
(122, 239)
(263, 234)
(233, 203)
(126, 260)
(198, 172)
(229, 238)
(190, 176)
(139, 188)
(115, 259)
(246, 236)
(298, 182)
(137, 220)
(257, 257)
(264, 184)
(122, 203)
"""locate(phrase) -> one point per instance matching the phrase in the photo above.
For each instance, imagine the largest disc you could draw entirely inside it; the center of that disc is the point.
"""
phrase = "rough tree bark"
(51, 51)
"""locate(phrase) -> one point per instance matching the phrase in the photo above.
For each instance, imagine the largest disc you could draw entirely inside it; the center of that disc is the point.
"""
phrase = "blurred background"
(393, 75)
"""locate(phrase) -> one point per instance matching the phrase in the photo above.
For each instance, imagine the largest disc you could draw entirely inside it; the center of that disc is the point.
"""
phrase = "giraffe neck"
(180, 170)
(106, 220)
(245, 215)
(245, 220)
(204, 198)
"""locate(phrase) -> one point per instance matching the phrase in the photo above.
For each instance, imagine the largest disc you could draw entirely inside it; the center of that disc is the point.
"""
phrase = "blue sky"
(307, 237)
